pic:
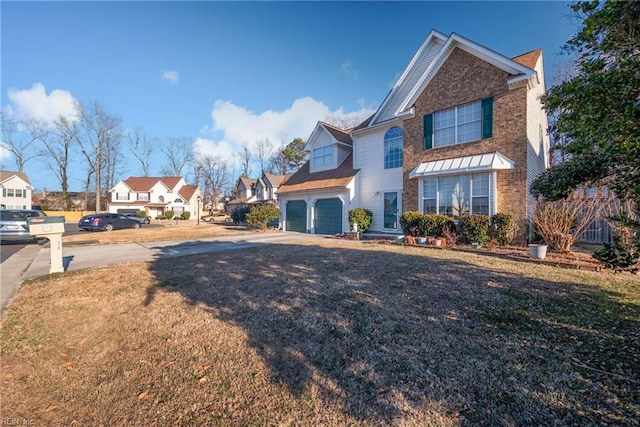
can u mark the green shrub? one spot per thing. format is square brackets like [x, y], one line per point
[141, 214]
[362, 217]
[260, 215]
[239, 215]
[437, 225]
[411, 223]
[504, 227]
[160, 216]
[186, 215]
[169, 214]
[474, 228]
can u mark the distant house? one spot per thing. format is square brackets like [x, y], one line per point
[155, 196]
[257, 190]
[16, 190]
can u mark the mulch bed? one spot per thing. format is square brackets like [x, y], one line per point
[572, 260]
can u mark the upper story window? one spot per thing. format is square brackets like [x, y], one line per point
[393, 148]
[14, 192]
[323, 156]
[457, 125]
[122, 196]
[143, 196]
[161, 199]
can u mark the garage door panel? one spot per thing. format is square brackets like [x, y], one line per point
[328, 216]
[296, 216]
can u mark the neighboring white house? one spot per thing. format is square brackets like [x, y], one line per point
[16, 190]
[155, 196]
[461, 132]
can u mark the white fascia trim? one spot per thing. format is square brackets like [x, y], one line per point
[433, 34]
[407, 114]
[374, 128]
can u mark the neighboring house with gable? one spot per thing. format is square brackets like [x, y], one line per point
[16, 190]
[155, 196]
[257, 190]
[461, 132]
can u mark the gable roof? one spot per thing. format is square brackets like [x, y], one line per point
[276, 180]
[304, 180]
[528, 59]
[146, 183]
[5, 175]
[248, 182]
[427, 61]
[341, 135]
[187, 192]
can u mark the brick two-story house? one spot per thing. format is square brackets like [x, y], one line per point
[461, 132]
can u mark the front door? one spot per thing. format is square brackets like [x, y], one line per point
[391, 210]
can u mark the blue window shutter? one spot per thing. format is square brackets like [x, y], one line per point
[4, 192]
[428, 131]
[24, 193]
[487, 117]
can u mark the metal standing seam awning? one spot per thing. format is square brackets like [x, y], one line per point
[469, 164]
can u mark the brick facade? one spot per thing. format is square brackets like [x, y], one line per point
[464, 78]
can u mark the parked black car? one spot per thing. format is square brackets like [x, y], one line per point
[13, 224]
[106, 222]
[140, 219]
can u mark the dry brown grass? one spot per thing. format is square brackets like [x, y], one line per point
[341, 333]
[168, 230]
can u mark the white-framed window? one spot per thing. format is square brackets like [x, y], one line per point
[457, 195]
[458, 125]
[10, 192]
[122, 196]
[323, 156]
[143, 196]
[393, 148]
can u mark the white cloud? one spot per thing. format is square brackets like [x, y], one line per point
[34, 103]
[171, 76]
[349, 70]
[234, 125]
[4, 153]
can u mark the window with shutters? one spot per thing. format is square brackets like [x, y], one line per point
[457, 125]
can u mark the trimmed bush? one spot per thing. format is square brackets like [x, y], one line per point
[411, 223]
[474, 228]
[239, 215]
[186, 215]
[160, 216]
[260, 215]
[437, 225]
[362, 217]
[169, 214]
[504, 227]
[141, 214]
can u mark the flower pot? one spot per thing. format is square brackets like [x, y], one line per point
[538, 251]
[437, 242]
[422, 240]
[476, 245]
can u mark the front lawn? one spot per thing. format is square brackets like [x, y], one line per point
[340, 333]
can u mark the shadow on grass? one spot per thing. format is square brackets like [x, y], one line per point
[400, 329]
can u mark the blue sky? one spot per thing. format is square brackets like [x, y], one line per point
[224, 73]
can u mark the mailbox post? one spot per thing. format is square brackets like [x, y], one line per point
[51, 227]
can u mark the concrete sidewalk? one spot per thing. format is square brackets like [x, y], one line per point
[34, 261]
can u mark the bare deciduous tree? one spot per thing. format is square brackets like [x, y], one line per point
[58, 144]
[142, 147]
[19, 138]
[244, 156]
[213, 176]
[264, 147]
[100, 135]
[178, 152]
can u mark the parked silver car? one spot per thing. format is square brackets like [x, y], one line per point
[14, 227]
